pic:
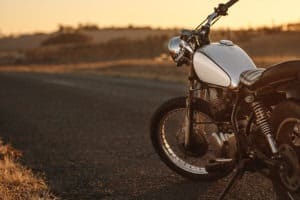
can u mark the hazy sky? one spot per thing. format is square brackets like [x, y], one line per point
[18, 16]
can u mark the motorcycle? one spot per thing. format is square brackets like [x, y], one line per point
[235, 118]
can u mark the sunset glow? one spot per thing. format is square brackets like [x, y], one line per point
[18, 16]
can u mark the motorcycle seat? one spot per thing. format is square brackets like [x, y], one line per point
[257, 78]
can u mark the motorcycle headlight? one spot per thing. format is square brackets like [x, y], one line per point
[174, 46]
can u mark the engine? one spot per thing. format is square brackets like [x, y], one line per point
[221, 103]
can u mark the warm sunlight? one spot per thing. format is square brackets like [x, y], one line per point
[18, 16]
[118, 99]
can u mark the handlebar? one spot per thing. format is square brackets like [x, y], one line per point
[221, 10]
[203, 29]
[230, 3]
[191, 40]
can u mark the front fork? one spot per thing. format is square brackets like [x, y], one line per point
[193, 91]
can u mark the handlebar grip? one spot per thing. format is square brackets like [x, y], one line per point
[222, 9]
[230, 3]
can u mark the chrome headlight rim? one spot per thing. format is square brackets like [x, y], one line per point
[174, 46]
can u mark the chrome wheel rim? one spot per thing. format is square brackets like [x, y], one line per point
[181, 160]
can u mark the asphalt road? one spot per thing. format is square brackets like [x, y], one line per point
[89, 136]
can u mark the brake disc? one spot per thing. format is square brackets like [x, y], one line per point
[289, 172]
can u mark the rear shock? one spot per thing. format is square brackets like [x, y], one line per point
[263, 123]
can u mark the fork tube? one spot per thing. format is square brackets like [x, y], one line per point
[189, 106]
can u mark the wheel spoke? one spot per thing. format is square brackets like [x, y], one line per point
[174, 148]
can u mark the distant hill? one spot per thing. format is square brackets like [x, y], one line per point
[92, 44]
[98, 36]
[24, 42]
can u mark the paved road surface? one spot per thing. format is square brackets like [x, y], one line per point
[89, 135]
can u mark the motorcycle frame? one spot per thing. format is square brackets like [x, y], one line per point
[196, 89]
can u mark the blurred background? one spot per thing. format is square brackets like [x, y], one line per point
[124, 38]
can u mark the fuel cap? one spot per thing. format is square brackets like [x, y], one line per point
[226, 42]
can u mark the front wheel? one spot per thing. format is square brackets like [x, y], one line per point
[167, 135]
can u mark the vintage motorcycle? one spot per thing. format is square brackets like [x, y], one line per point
[235, 118]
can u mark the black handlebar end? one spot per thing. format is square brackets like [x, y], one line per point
[221, 9]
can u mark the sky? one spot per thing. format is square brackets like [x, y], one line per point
[27, 16]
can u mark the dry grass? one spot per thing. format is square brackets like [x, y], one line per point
[135, 68]
[61, 68]
[279, 44]
[266, 61]
[16, 181]
[157, 69]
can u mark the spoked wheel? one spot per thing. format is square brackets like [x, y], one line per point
[286, 125]
[168, 128]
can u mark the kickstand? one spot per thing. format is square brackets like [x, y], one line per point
[290, 196]
[240, 170]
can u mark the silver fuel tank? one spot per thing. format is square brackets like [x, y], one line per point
[221, 64]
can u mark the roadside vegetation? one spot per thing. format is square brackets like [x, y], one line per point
[133, 51]
[18, 182]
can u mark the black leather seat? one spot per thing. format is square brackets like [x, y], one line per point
[257, 78]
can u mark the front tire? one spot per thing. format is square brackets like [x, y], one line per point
[166, 152]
